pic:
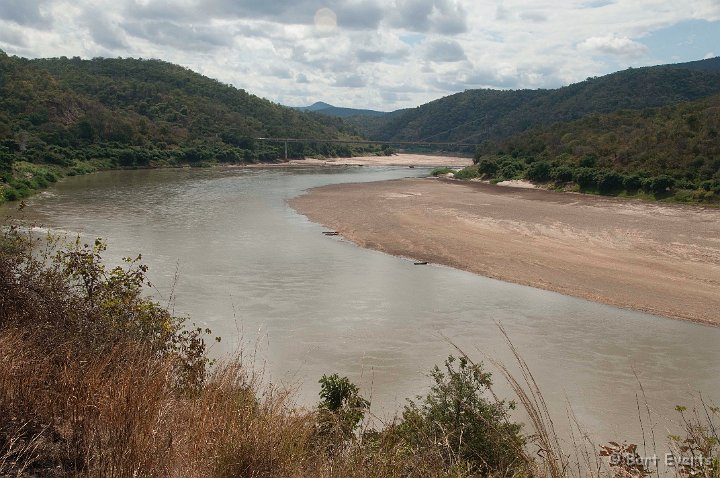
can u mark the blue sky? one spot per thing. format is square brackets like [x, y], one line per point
[380, 54]
[684, 41]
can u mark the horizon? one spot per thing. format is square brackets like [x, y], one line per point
[364, 54]
[363, 108]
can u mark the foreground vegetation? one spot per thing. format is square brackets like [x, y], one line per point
[97, 380]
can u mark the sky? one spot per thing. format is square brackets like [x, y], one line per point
[376, 54]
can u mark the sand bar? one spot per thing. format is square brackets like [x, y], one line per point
[662, 259]
[419, 160]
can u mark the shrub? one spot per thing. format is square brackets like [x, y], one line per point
[488, 166]
[562, 174]
[460, 416]
[588, 161]
[609, 181]
[95, 308]
[660, 184]
[510, 170]
[585, 177]
[441, 171]
[632, 182]
[10, 193]
[470, 172]
[341, 407]
[539, 171]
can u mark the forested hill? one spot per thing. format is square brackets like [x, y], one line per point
[479, 115]
[131, 112]
[671, 153]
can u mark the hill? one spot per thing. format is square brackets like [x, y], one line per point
[330, 110]
[73, 115]
[671, 152]
[478, 115]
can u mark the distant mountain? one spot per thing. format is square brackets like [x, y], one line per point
[330, 110]
[480, 115]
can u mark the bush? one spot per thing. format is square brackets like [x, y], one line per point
[92, 308]
[609, 181]
[588, 161]
[510, 170]
[341, 407]
[539, 171]
[10, 193]
[460, 417]
[562, 174]
[488, 166]
[470, 172]
[632, 182]
[659, 184]
[585, 177]
[441, 171]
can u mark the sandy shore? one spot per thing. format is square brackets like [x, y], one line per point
[419, 160]
[661, 259]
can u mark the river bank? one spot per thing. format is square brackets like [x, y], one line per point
[661, 259]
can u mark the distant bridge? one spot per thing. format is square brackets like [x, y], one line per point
[352, 141]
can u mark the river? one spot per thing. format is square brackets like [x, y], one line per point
[262, 276]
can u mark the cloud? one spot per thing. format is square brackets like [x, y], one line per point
[614, 45]
[444, 51]
[446, 17]
[25, 12]
[350, 81]
[533, 16]
[11, 35]
[381, 54]
[201, 37]
[353, 14]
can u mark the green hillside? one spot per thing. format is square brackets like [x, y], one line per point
[673, 151]
[70, 115]
[475, 116]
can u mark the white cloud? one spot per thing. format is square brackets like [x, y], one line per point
[613, 45]
[383, 54]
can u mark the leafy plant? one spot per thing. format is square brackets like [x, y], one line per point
[460, 418]
[341, 406]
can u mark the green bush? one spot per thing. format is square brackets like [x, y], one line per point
[510, 170]
[585, 177]
[562, 174]
[341, 407]
[471, 172]
[539, 171]
[609, 181]
[632, 182]
[488, 166]
[660, 184]
[461, 417]
[10, 193]
[441, 171]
